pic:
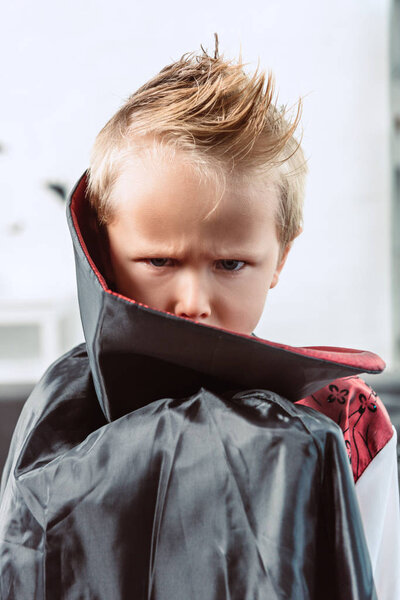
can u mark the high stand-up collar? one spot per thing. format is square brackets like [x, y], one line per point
[138, 354]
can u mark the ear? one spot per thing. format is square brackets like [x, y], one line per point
[280, 265]
[283, 258]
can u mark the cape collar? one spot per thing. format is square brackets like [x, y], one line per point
[138, 354]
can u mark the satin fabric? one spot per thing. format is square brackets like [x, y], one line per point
[149, 464]
[235, 496]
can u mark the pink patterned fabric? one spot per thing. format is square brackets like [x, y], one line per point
[360, 413]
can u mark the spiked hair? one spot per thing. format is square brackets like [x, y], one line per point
[223, 121]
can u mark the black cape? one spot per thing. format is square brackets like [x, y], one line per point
[166, 460]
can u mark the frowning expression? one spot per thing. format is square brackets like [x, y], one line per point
[168, 251]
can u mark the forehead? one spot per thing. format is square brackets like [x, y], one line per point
[161, 195]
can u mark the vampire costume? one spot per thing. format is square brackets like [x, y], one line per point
[168, 460]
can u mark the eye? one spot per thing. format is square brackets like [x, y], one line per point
[231, 265]
[159, 262]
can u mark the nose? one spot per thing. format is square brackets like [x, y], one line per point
[192, 297]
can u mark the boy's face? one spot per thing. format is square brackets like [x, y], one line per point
[165, 254]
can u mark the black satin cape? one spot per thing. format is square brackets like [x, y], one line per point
[166, 460]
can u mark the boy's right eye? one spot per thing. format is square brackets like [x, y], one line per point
[159, 262]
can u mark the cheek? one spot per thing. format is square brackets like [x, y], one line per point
[241, 305]
[121, 273]
[133, 282]
[127, 282]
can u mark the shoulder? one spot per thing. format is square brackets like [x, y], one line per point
[60, 377]
[68, 375]
[76, 358]
[361, 415]
[63, 400]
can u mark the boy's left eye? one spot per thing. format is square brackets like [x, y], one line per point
[231, 265]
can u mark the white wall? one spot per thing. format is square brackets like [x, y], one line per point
[66, 68]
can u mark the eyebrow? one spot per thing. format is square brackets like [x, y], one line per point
[160, 251]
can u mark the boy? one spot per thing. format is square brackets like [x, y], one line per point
[196, 188]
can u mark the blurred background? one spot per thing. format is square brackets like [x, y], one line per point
[67, 67]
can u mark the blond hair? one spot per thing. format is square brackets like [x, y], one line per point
[225, 122]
